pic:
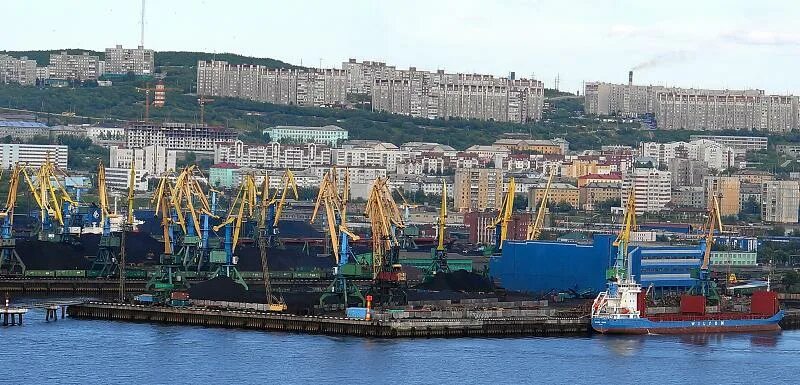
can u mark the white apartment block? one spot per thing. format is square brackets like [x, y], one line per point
[780, 201]
[433, 95]
[652, 188]
[301, 87]
[117, 179]
[694, 109]
[738, 143]
[368, 153]
[419, 148]
[21, 71]
[156, 160]
[123, 60]
[273, 155]
[177, 136]
[361, 76]
[32, 155]
[98, 133]
[329, 135]
[77, 67]
[716, 155]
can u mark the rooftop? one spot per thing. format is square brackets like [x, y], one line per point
[225, 165]
[602, 176]
[21, 124]
[329, 127]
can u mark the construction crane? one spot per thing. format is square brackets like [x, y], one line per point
[340, 236]
[535, 227]
[385, 220]
[500, 223]
[105, 262]
[146, 91]
[439, 263]
[621, 268]
[10, 262]
[202, 100]
[273, 303]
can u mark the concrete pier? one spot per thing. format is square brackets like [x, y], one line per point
[12, 315]
[455, 327]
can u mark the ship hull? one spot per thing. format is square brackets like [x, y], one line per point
[697, 325]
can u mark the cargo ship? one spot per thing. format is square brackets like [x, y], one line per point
[622, 307]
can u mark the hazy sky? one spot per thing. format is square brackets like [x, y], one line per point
[696, 43]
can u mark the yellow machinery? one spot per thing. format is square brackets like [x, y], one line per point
[439, 263]
[336, 216]
[168, 276]
[271, 214]
[10, 262]
[53, 200]
[243, 207]
[706, 286]
[621, 269]
[190, 203]
[504, 216]
[274, 303]
[385, 220]
[105, 262]
[535, 227]
[126, 227]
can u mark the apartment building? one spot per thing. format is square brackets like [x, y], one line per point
[21, 71]
[559, 193]
[329, 135]
[368, 153]
[33, 155]
[273, 155]
[362, 75]
[780, 201]
[652, 188]
[555, 146]
[178, 136]
[300, 87]
[689, 196]
[23, 130]
[717, 156]
[74, 67]
[477, 189]
[620, 99]
[156, 160]
[121, 61]
[590, 195]
[726, 188]
[687, 172]
[738, 143]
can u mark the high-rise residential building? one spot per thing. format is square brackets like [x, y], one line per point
[717, 156]
[74, 67]
[21, 71]
[780, 201]
[361, 75]
[689, 196]
[32, 155]
[273, 155]
[301, 87]
[694, 109]
[124, 60]
[156, 160]
[559, 193]
[477, 189]
[329, 135]
[368, 153]
[652, 188]
[738, 143]
[119, 179]
[687, 172]
[726, 188]
[177, 136]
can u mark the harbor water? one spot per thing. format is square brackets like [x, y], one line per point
[104, 352]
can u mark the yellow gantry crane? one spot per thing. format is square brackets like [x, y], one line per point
[241, 209]
[50, 195]
[535, 227]
[385, 219]
[706, 286]
[10, 262]
[105, 262]
[504, 215]
[439, 263]
[621, 264]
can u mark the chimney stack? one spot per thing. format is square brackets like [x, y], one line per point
[630, 77]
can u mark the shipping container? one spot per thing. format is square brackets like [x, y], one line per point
[693, 304]
[40, 273]
[357, 312]
[163, 286]
[179, 295]
[144, 298]
[135, 273]
[764, 303]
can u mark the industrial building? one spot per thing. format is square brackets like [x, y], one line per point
[329, 135]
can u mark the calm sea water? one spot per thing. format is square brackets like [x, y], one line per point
[104, 352]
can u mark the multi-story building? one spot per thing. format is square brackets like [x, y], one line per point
[733, 258]
[791, 150]
[754, 176]
[620, 99]
[716, 155]
[435, 95]
[614, 179]
[368, 153]
[477, 189]
[652, 188]
[301, 87]
[780, 201]
[178, 136]
[21, 71]
[361, 76]
[329, 135]
[119, 179]
[124, 60]
[687, 172]
[482, 231]
[726, 188]
[74, 67]
[559, 193]
[273, 155]
[418, 148]
[23, 130]
[156, 160]
[689, 196]
[555, 146]
[739, 143]
[32, 155]
[750, 195]
[223, 175]
[594, 193]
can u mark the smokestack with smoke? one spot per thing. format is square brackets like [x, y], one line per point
[630, 77]
[665, 58]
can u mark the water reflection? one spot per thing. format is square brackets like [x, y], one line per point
[624, 346]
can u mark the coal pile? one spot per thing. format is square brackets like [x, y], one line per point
[427, 295]
[460, 280]
[44, 255]
[280, 259]
[219, 289]
[293, 229]
[140, 246]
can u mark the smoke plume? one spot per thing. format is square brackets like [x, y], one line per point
[665, 58]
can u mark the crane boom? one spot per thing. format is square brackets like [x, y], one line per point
[535, 228]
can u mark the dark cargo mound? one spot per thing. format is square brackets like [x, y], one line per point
[298, 229]
[427, 295]
[44, 255]
[219, 289]
[460, 280]
[140, 246]
[291, 258]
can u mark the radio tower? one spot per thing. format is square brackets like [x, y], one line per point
[141, 39]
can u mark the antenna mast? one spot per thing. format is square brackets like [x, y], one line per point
[141, 41]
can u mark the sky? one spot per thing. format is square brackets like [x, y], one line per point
[701, 43]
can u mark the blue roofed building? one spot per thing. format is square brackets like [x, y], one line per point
[22, 129]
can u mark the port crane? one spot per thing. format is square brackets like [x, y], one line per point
[335, 208]
[105, 262]
[535, 227]
[10, 262]
[439, 263]
[274, 205]
[52, 199]
[705, 286]
[192, 206]
[242, 207]
[622, 266]
[126, 227]
[500, 223]
[407, 242]
[273, 303]
[385, 221]
[168, 276]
